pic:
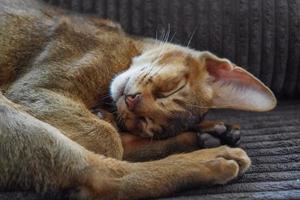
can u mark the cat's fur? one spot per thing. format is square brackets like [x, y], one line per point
[54, 68]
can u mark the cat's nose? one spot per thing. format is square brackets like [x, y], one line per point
[132, 100]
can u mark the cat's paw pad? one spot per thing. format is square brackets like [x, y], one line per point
[206, 140]
[231, 136]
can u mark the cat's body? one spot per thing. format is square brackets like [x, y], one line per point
[56, 67]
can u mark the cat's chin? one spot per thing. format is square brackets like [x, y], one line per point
[171, 129]
[130, 123]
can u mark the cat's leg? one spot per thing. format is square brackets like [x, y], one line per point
[34, 154]
[45, 159]
[163, 177]
[37, 156]
[72, 118]
[210, 134]
[92, 131]
[144, 149]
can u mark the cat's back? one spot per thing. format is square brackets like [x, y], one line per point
[31, 32]
[70, 50]
[23, 32]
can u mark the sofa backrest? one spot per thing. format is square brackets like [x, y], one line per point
[262, 36]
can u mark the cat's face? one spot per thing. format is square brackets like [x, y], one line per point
[168, 90]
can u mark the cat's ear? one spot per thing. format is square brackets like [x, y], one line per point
[234, 87]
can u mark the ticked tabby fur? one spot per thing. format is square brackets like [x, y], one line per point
[55, 67]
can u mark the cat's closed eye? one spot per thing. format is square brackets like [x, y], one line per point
[171, 89]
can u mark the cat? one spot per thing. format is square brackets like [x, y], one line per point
[55, 67]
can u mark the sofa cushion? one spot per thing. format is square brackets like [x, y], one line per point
[271, 139]
[262, 36]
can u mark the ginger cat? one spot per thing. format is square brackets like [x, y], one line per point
[55, 67]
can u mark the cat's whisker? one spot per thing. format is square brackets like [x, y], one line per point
[191, 37]
[164, 46]
[151, 68]
[168, 33]
[164, 42]
[160, 54]
[173, 36]
[163, 37]
[161, 45]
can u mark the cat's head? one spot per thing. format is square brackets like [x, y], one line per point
[168, 90]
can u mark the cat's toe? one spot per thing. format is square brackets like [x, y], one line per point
[228, 134]
[231, 136]
[206, 140]
[240, 156]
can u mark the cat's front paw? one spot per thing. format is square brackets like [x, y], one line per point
[230, 164]
[223, 163]
[236, 154]
[219, 134]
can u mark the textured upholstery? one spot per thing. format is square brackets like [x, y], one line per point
[271, 139]
[260, 35]
[264, 36]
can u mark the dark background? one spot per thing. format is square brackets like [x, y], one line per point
[262, 36]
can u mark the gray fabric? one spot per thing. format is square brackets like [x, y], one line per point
[271, 139]
[261, 35]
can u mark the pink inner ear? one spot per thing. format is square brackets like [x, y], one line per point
[236, 88]
[226, 72]
[216, 68]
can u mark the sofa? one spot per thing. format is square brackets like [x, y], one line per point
[262, 36]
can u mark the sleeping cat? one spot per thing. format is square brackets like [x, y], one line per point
[55, 67]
